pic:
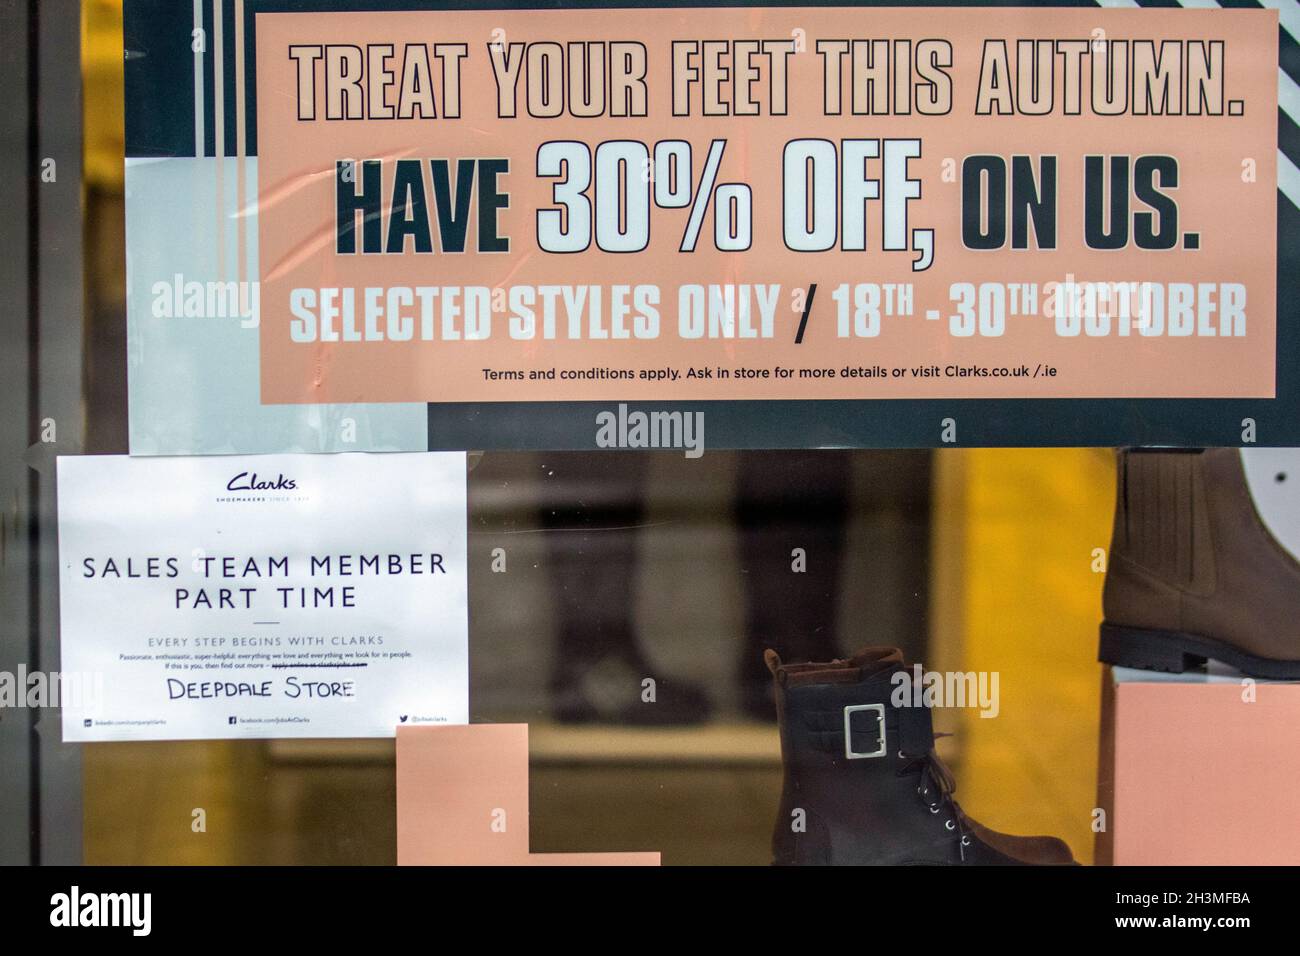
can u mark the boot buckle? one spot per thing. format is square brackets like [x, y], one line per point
[881, 748]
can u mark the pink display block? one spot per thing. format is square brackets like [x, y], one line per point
[1198, 770]
[462, 800]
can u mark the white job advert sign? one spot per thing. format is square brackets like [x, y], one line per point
[264, 596]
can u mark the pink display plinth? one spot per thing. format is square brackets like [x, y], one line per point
[1195, 772]
[462, 800]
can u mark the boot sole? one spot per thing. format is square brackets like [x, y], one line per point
[1176, 652]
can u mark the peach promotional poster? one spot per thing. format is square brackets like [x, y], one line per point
[764, 204]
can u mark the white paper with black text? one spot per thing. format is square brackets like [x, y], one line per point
[263, 596]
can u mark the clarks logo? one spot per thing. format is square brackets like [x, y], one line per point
[250, 481]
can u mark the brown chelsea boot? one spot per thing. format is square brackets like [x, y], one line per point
[1194, 573]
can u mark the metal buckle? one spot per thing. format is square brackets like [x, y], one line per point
[849, 752]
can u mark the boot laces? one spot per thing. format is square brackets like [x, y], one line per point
[936, 786]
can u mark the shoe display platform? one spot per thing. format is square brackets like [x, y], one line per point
[1198, 769]
[462, 800]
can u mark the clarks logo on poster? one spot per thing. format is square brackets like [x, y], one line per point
[249, 481]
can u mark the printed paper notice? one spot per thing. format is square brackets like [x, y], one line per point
[263, 596]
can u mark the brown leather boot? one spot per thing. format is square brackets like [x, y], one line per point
[862, 782]
[1193, 571]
